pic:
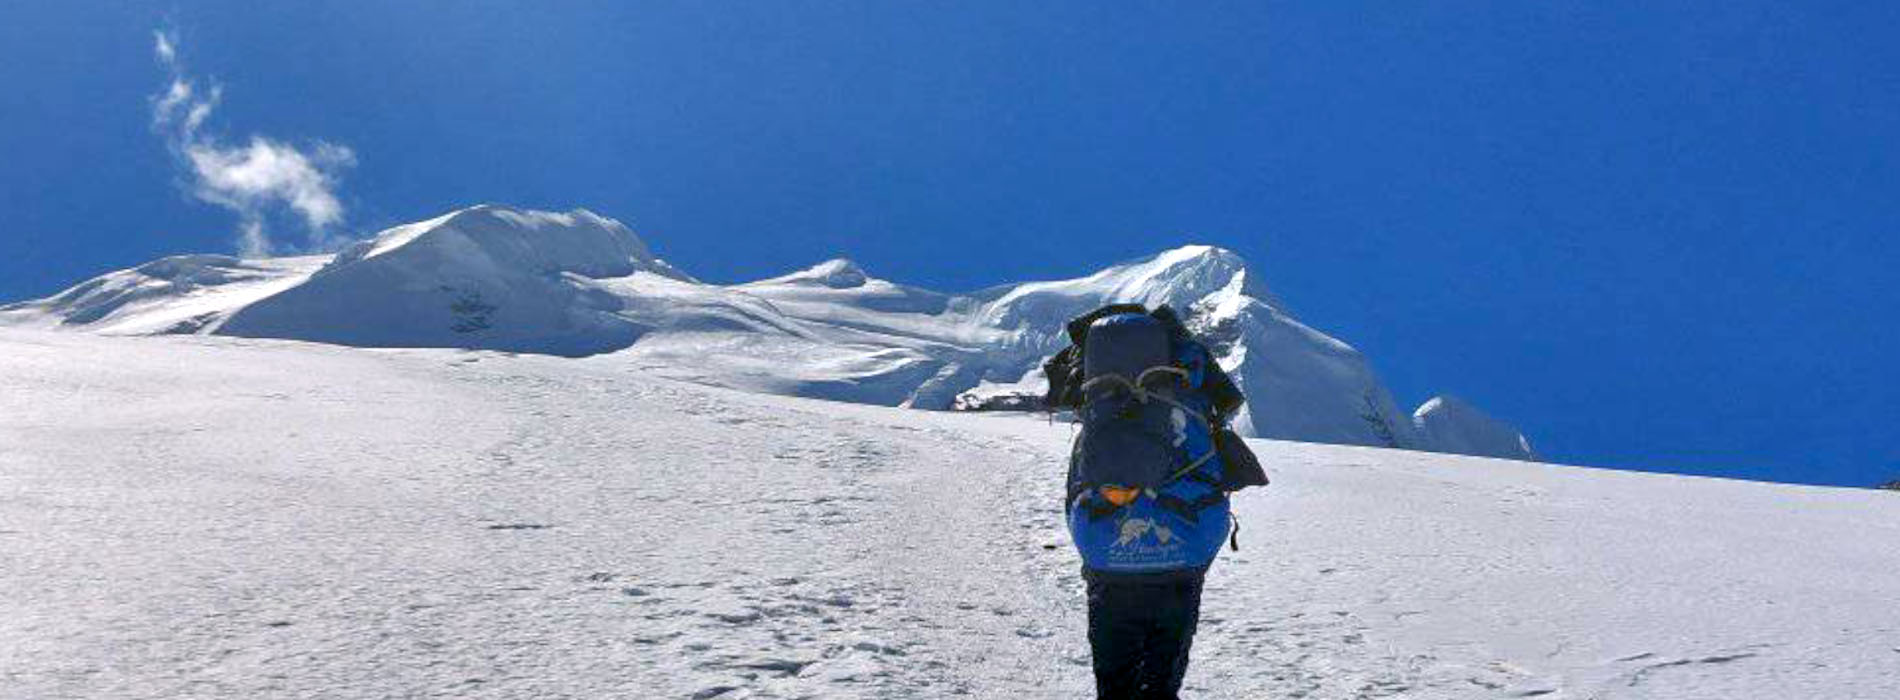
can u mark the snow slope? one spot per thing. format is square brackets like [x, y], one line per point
[577, 284]
[177, 294]
[199, 516]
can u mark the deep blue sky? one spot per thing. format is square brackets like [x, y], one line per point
[1654, 235]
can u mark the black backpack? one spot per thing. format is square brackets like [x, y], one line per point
[1240, 468]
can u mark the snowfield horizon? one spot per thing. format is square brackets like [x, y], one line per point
[578, 284]
[227, 517]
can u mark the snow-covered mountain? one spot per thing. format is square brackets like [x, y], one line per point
[578, 284]
[1450, 424]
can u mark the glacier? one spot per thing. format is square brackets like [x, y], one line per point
[209, 516]
[578, 284]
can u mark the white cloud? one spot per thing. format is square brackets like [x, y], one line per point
[167, 51]
[252, 179]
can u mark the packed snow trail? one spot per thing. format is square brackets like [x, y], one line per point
[232, 523]
[212, 517]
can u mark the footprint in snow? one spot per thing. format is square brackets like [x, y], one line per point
[735, 616]
[788, 667]
[876, 648]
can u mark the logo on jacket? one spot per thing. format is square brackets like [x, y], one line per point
[1134, 528]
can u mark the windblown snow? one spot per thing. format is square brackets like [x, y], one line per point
[578, 284]
[224, 517]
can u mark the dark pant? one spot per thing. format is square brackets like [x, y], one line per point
[1140, 628]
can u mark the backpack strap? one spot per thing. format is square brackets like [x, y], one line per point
[1190, 510]
[1062, 370]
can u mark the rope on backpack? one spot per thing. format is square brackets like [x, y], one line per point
[1138, 386]
[1142, 394]
[1138, 389]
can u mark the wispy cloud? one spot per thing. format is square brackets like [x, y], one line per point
[255, 178]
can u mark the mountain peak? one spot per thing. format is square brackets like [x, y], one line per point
[1214, 266]
[496, 236]
[1201, 250]
[836, 273]
[531, 218]
[1454, 425]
